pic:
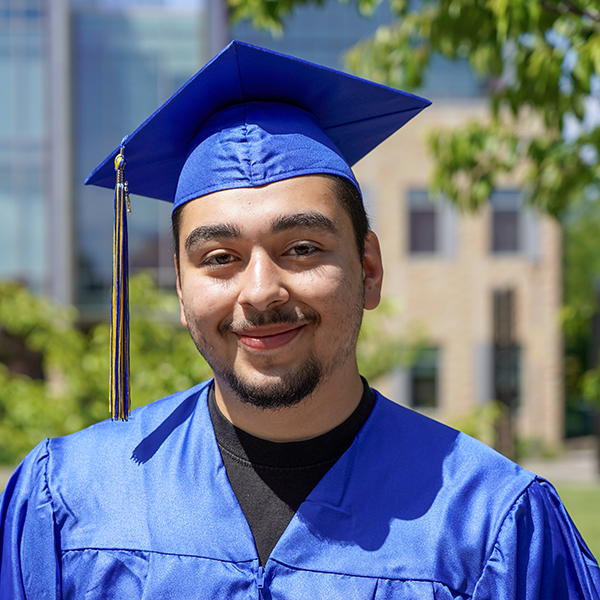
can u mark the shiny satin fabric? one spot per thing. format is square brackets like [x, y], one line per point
[413, 510]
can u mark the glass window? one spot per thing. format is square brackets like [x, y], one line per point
[424, 379]
[133, 60]
[505, 231]
[422, 223]
[507, 353]
[22, 142]
[432, 225]
[422, 230]
[506, 221]
[507, 374]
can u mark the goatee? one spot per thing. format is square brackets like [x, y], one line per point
[286, 389]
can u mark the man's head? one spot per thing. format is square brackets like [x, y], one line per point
[272, 286]
[249, 120]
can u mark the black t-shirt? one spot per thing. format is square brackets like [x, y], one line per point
[272, 479]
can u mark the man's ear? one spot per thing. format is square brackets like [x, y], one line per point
[372, 271]
[180, 293]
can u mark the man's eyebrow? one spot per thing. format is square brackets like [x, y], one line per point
[207, 233]
[308, 220]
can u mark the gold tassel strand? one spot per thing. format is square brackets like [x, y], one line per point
[119, 402]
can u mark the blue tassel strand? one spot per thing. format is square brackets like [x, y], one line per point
[119, 402]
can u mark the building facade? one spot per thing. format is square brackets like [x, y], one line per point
[128, 58]
[486, 287]
[24, 137]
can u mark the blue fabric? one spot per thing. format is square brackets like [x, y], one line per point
[250, 107]
[254, 144]
[412, 510]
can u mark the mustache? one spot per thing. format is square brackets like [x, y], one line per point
[275, 316]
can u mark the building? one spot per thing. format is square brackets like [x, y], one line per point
[67, 68]
[486, 287]
[128, 58]
[34, 151]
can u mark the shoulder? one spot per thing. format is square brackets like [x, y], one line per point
[109, 435]
[446, 488]
[430, 503]
[457, 456]
[109, 451]
[106, 441]
[539, 549]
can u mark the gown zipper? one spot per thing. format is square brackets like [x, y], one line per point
[260, 580]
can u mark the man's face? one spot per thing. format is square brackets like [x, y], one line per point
[272, 288]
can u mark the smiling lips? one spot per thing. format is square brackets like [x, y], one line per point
[268, 338]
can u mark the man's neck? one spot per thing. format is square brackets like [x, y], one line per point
[332, 402]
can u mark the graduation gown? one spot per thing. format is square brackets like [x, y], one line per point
[412, 510]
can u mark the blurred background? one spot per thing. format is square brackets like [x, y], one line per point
[487, 206]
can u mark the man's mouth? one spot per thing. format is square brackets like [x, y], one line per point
[269, 338]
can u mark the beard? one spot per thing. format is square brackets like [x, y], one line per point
[289, 389]
[284, 387]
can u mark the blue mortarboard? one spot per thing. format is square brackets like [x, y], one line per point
[250, 117]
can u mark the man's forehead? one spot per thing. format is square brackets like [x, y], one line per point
[308, 201]
[278, 198]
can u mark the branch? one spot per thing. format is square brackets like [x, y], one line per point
[567, 7]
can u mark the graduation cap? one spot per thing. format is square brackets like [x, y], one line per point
[248, 118]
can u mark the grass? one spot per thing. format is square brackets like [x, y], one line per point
[583, 503]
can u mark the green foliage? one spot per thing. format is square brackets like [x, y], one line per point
[383, 345]
[582, 260]
[581, 281]
[29, 408]
[270, 14]
[74, 391]
[475, 155]
[539, 58]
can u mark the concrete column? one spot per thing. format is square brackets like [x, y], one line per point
[59, 173]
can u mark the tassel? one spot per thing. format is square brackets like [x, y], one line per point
[119, 319]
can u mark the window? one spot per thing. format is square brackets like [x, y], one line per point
[422, 230]
[507, 353]
[422, 223]
[432, 226]
[506, 222]
[424, 379]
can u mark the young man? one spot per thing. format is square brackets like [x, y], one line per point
[285, 477]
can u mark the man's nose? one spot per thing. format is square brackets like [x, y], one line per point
[262, 284]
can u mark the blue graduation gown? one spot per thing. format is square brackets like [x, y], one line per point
[413, 510]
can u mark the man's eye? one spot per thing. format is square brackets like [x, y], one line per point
[219, 259]
[302, 250]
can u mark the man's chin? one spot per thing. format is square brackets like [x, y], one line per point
[274, 391]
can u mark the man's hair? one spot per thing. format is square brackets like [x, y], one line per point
[345, 192]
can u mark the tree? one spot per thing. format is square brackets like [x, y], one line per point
[541, 60]
[73, 390]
